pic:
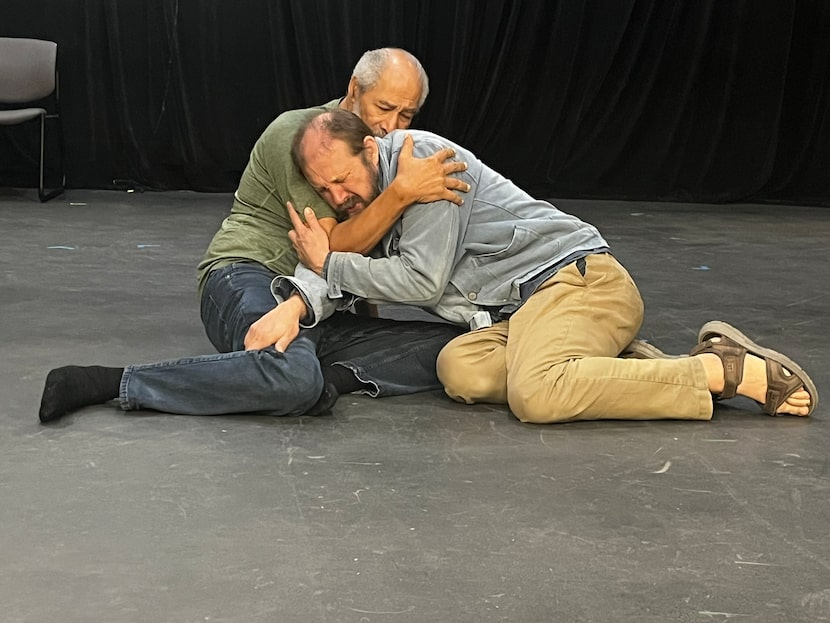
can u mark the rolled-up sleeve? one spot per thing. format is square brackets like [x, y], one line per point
[314, 292]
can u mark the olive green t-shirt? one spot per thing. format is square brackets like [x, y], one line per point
[258, 225]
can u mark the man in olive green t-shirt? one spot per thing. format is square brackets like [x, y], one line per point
[387, 88]
[253, 372]
[258, 225]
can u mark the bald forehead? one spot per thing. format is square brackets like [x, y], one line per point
[399, 86]
[400, 68]
[316, 144]
[401, 60]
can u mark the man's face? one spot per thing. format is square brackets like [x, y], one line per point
[391, 104]
[348, 183]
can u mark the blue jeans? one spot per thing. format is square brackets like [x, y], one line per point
[389, 357]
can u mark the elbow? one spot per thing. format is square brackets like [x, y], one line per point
[427, 292]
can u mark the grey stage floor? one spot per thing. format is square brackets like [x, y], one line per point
[404, 509]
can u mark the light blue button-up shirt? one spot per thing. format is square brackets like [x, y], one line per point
[459, 262]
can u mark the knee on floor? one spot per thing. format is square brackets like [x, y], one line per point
[536, 407]
[469, 391]
[295, 384]
[470, 385]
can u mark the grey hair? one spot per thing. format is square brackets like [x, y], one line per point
[372, 63]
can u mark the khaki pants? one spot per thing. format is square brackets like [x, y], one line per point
[555, 359]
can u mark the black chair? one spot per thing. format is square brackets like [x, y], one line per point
[29, 73]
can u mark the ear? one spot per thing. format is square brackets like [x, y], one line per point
[353, 88]
[371, 145]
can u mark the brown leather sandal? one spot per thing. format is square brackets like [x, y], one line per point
[732, 348]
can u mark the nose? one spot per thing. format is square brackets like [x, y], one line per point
[338, 194]
[390, 122]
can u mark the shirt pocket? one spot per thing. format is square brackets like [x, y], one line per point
[526, 251]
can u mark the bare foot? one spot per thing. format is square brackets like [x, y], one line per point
[754, 383]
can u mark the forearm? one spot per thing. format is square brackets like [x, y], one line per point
[384, 279]
[360, 233]
[417, 180]
[416, 274]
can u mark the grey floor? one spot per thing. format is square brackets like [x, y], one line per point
[413, 508]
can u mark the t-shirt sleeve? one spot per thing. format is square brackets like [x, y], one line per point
[276, 158]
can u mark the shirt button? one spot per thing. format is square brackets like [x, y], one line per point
[472, 296]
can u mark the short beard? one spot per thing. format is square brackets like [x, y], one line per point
[374, 191]
[374, 177]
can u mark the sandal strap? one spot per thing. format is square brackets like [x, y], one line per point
[732, 357]
[780, 386]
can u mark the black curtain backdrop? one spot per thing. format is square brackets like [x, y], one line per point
[698, 100]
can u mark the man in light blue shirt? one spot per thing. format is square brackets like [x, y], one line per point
[548, 307]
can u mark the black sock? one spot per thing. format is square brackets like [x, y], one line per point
[72, 387]
[342, 378]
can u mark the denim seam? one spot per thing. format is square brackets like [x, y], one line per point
[122, 389]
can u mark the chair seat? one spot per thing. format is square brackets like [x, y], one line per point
[13, 117]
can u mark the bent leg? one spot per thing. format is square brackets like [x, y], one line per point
[235, 297]
[562, 347]
[389, 357]
[239, 382]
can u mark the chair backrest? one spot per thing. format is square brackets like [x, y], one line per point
[27, 69]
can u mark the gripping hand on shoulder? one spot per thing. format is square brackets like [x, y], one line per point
[423, 180]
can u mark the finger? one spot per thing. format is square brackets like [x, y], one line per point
[454, 198]
[250, 342]
[296, 221]
[406, 148]
[284, 342]
[453, 183]
[456, 166]
[447, 152]
[311, 220]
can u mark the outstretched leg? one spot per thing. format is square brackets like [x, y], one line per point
[245, 381]
[254, 381]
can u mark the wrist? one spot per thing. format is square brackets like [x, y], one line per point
[296, 305]
[397, 192]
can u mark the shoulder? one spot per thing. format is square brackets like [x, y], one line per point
[292, 119]
[425, 144]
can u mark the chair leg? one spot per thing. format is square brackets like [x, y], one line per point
[61, 150]
[42, 194]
